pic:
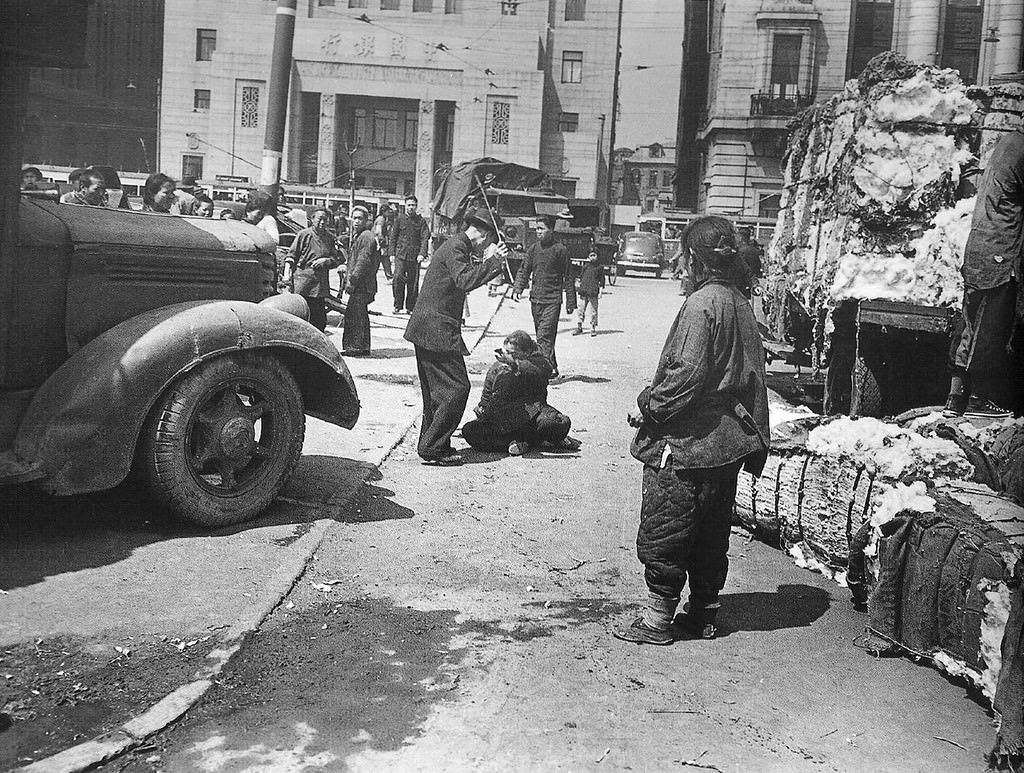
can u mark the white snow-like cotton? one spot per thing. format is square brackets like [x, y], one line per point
[929, 96]
[894, 500]
[893, 168]
[804, 559]
[889, 450]
[993, 627]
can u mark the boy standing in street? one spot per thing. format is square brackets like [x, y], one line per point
[590, 283]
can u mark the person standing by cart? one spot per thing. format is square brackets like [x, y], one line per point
[410, 239]
[704, 416]
[308, 266]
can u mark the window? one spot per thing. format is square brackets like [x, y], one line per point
[386, 184]
[666, 179]
[201, 99]
[385, 127]
[655, 151]
[785, 74]
[961, 37]
[325, 2]
[509, 7]
[652, 179]
[575, 10]
[390, 5]
[447, 133]
[568, 122]
[206, 44]
[769, 203]
[872, 32]
[500, 113]
[565, 188]
[250, 107]
[422, 6]
[192, 166]
[453, 6]
[412, 123]
[572, 67]
[357, 3]
[358, 125]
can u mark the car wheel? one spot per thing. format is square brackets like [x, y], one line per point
[223, 439]
[657, 274]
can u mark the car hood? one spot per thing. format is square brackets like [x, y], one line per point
[100, 225]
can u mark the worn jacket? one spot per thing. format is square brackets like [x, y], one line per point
[996, 242]
[708, 401]
[436, 319]
[501, 404]
[361, 277]
[410, 236]
[591, 279]
[308, 247]
[552, 275]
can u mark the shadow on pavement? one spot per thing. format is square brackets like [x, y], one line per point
[43, 536]
[791, 606]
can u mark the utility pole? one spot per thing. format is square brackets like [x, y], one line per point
[277, 100]
[615, 104]
[350, 151]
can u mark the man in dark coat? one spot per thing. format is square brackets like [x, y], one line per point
[704, 417]
[435, 329]
[361, 285]
[548, 263]
[988, 356]
[410, 237]
[513, 412]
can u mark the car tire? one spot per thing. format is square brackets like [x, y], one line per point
[222, 440]
[657, 274]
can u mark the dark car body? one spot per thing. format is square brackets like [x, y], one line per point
[112, 308]
[640, 251]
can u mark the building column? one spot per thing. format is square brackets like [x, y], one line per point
[425, 154]
[923, 31]
[325, 141]
[1010, 23]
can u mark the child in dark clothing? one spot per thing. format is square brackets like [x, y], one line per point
[588, 287]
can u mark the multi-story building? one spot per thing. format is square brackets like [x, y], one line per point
[105, 113]
[391, 91]
[642, 176]
[750, 65]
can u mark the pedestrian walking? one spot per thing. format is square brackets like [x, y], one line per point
[360, 284]
[308, 266]
[513, 412]
[987, 358]
[547, 262]
[435, 330]
[410, 239]
[382, 235]
[704, 416]
[588, 287]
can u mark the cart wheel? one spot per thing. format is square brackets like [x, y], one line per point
[865, 392]
[612, 275]
[223, 439]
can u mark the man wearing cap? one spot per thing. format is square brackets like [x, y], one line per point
[435, 329]
[548, 263]
[360, 284]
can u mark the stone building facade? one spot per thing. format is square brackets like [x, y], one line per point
[749, 66]
[391, 91]
[642, 176]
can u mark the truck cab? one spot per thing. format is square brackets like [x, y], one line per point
[155, 343]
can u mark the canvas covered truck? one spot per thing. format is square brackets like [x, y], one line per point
[863, 267]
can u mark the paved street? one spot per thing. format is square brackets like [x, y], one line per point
[457, 619]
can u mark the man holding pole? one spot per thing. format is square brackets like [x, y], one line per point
[435, 329]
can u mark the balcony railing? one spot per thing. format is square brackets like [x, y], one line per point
[767, 104]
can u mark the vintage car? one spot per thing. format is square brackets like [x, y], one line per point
[640, 251]
[154, 343]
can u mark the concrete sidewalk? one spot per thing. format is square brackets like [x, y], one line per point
[132, 579]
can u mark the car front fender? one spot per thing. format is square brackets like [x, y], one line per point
[81, 427]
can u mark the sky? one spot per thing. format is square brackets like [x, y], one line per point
[652, 36]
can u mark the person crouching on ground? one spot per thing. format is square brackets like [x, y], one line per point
[704, 416]
[308, 266]
[588, 287]
[360, 284]
[513, 412]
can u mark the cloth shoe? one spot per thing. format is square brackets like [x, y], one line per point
[956, 404]
[641, 633]
[518, 448]
[578, 331]
[593, 332]
[448, 460]
[699, 624]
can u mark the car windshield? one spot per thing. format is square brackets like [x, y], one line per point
[641, 242]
